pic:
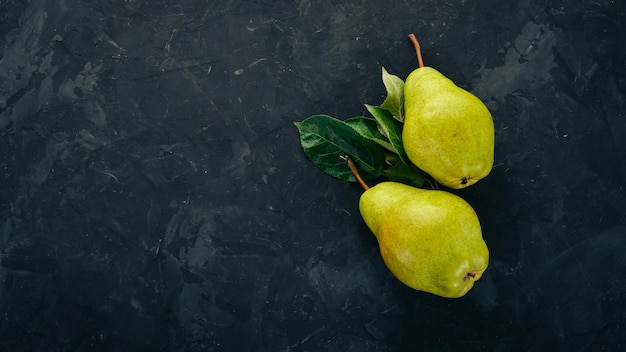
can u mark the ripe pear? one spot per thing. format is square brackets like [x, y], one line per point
[430, 240]
[448, 132]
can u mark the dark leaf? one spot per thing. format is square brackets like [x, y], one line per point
[325, 139]
[391, 128]
[368, 128]
[407, 174]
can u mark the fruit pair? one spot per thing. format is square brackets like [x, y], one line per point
[431, 240]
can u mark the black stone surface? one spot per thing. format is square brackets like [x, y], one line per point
[154, 196]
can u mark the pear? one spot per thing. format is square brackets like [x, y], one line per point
[430, 240]
[448, 132]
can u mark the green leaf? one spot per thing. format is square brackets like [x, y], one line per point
[326, 139]
[368, 128]
[391, 128]
[407, 174]
[394, 103]
[392, 158]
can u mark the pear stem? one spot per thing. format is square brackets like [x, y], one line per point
[418, 49]
[355, 172]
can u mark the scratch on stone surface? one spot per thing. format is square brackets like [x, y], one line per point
[107, 39]
[168, 44]
[240, 71]
[109, 174]
[257, 62]
[304, 340]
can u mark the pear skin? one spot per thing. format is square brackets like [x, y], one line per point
[430, 240]
[448, 132]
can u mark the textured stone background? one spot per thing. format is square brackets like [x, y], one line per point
[154, 197]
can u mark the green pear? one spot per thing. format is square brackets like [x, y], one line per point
[430, 240]
[448, 132]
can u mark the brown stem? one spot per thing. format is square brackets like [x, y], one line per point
[355, 172]
[418, 49]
